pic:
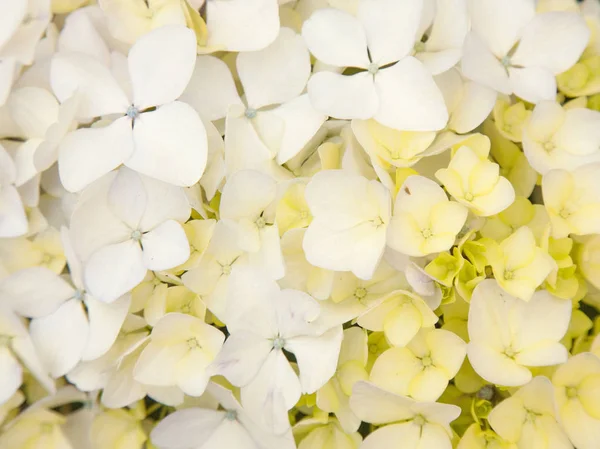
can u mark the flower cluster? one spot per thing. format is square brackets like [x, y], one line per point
[311, 224]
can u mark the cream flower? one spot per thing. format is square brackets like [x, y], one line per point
[475, 181]
[507, 334]
[424, 220]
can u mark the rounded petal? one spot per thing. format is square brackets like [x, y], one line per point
[114, 270]
[378, 406]
[105, 323]
[157, 364]
[242, 357]
[186, 428]
[98, 91]
[387, 437]
[34, 110]
[12, 375]
[475, 106]
[344, 97]
[495, 367]
[211, 89]
[89, 153]
[394, 369]
[409, 99]
[276, 74]
[390, 27]
[161, 65]
[170, 145]
[533, 84]
[553, 40]
[166, 246]
[242, 25]
[336, 38]
[481, 66]
[402, 324]
[11, 16]
[13, 221]
[500, 23]
[60, 346]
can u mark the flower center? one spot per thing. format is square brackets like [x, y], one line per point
[419, 47]
[510, 352]
[132, 112]
[136, 235]
[426, 233]
[278, 343]
[469, 196]
[373, 68]
[250, 113]
[571, 392]
[505, 61]
[377, 222]
[79, 295]
[360, 293]
[226, 270]
[508, 275]
[231, 415]
[193, 343]
[426, 361]
[549, 146]
[419, 420]
[564, 214]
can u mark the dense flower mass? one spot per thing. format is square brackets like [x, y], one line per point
[299, 224]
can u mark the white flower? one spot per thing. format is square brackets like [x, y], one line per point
[555, 137]
[263, 321]
[93, 325]
[124, 225]
[248, 209]
[180, 351]
[168, 143]
[13, 221]
[203, 428]
[511, 49]
[351, 216]
[415, 424]
[508, 334]
[395, 88]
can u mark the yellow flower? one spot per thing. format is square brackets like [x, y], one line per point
[519, 265]
[117, 429]
[292, 210]
[510, 118]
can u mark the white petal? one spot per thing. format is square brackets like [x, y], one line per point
[12, 375]
[33, 110]
[273, 391]
[166, 246]
[344, 97]
[553, 41]
[391, 28]
[496, 367]
[580, 132]
[533, 84]
[61, 337]
[269, 257]
[35, 292]
[170, 145]
[232, 434]
[242, 357]
[500, 23]
[302, 121]
[246, 195]
[157, 364]
[80, 35]
[379, 406]
[105, 323]
[475, 106]
[480, 65]
[99, 92]
[242, 25]
[114, 270]
[127, 197]
[336, 38]
[11, 15]
[211, 89]
[7, 75]
[316, 357]
[161, 65]
[408, 433]
[186, 428]
[409, 99]
[450, 26]
[276, 74]
[89, 153]
[165, 202]
[26, 353]
[13, 221]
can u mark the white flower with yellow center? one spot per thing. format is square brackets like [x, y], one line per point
[180, 351]
[576, 385]
[572, 200]
[559, 138]
[415, 424]
[424, 220]
[423, 368]
[350, 220]
[507, 335]
[528, 418]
